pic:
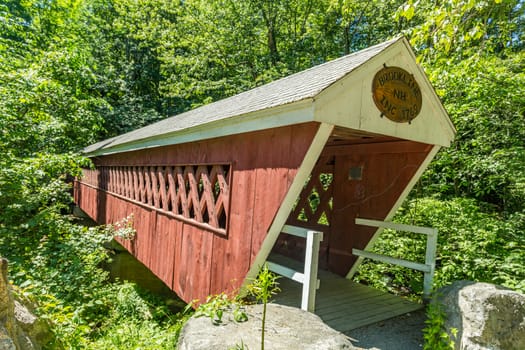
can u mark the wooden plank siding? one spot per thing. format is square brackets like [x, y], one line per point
[195, 264]
[192, 260]
[163, 242]
[387, 168]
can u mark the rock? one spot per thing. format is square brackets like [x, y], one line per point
[34, 330]
[25, 319]
[486, 316]
[6, 343]
[286, 328]
[20, 329]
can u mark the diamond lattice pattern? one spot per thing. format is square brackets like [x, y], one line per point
[196, 192]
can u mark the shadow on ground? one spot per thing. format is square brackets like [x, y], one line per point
[398, 333]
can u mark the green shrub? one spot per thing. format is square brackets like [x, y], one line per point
[216, 305]
[474, 243]
[136, 319]
[435, 335]
[144, 335]
[62, 274]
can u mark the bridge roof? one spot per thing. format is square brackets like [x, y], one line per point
[286, 101]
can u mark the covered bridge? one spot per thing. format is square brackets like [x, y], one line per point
[212, 190]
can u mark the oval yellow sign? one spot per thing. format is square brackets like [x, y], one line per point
[396, 94]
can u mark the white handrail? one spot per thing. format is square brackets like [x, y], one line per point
[428, 267]
[395, 226]
[308, 278]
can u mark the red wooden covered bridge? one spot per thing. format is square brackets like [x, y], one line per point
[214, 190]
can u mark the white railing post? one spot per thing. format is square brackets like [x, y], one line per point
[308, 278]
[430, 260]
[311, 263]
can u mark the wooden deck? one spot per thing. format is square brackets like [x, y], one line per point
[342, 304]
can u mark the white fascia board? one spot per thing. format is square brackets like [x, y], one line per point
[294, 113]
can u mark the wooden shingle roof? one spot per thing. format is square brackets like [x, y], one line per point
[305, 85]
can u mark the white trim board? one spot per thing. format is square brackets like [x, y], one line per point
[296, 113]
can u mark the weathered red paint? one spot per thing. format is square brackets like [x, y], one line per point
[196, 261]
[386, 174]
[387, 168]
[193, 261]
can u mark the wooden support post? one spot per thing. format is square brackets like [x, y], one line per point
[311, 263]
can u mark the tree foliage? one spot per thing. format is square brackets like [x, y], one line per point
[473, 244]
[458, 29]
[473, 52]
[486, 99]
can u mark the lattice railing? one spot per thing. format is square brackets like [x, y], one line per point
[196, 192]
[314, 205]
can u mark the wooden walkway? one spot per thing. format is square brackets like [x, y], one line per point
[342, 304]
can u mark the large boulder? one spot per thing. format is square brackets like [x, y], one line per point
[286, 328]
[20, 329]
[485, 316]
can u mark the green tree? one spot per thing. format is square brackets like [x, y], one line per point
[125, 41]
[473, 53]
[47, 112]
[485, 98]
[459, 29]
[365, 23]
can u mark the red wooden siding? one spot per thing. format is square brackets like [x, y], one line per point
[197, 258]
[387, 168]
[163, 240]
[386, 171]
